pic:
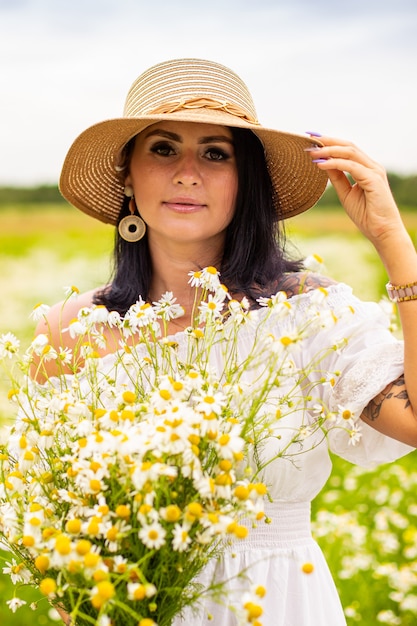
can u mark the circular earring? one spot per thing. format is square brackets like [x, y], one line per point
[132, 227]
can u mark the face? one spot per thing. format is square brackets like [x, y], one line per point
[184, 179]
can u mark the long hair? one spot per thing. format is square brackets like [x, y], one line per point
[254, 256]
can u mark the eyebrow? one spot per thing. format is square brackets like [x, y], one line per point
[175, 137]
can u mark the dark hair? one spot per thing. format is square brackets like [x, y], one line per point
[254, 256]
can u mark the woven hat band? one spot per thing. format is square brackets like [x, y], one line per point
[187, 81]
[204, 103]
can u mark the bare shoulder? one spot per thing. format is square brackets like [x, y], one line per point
[61, 314]
[52, 325]
[302, 282]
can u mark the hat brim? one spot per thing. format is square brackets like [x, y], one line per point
[90, 182]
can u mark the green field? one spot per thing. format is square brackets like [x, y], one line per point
[366, 522]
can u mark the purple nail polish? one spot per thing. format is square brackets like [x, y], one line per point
[313, 134]
[319, 160]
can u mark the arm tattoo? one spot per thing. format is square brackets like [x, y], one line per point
[372, 411]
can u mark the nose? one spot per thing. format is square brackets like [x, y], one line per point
[187, 172]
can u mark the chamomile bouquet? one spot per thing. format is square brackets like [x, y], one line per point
[125, 475]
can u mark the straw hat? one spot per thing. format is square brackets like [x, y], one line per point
[187, 90]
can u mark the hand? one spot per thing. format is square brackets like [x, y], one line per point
[63, 615]
[368, 200]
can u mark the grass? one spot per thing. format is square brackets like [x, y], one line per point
[41, 252]
[371, 545]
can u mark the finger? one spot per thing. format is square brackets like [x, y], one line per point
[341, 183]
[366, 176]
[327, 140]
[329, 147]
[349, 154]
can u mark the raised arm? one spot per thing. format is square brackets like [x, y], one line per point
[369, 203]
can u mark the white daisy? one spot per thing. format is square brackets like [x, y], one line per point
[15, 603]
[114, 319]
[152, 535]
[212, 402]
[71, 291]
[229, 444]
[39, 312]
[17, 572]
[65, 356]
[76, 328]
[314, 263]
[167, 307]
[210, 309]
[9, 345]
[181, 539]
[99, 314]
[355, 435]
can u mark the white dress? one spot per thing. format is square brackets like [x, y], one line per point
[273, 554]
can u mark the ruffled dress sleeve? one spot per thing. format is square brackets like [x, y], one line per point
[370, 360]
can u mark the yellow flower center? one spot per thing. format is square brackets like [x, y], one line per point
[129, 397]
[83, 547]
[47, 586]
[123, 511]
[63, 545]
[242, 492]
[139, 593]
[42, 563]
[153, 534]
[307, 568]
[173, 513]
[254, 611]
[165, 394]
[91, 559]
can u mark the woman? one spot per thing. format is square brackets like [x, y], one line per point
[192, 180]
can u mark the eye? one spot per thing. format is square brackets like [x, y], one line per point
[163, 148]
[216, 154]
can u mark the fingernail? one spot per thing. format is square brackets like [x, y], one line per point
[319, 160]
[312, 133]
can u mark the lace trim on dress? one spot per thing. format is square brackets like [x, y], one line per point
[369, 376]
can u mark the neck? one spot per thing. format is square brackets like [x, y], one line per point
[171, 266]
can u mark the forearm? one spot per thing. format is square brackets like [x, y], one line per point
[399, 257]
[394, 410]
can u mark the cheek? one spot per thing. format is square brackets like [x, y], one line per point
[145, 181]
[230, 187]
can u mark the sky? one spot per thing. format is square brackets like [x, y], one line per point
[346, 69]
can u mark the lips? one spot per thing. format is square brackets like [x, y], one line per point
[184, 205]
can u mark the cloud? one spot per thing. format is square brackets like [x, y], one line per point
[343, 69]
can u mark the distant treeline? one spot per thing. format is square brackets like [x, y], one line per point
[43, 194]
[404, 189]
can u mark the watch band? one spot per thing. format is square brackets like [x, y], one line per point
[402, 293]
